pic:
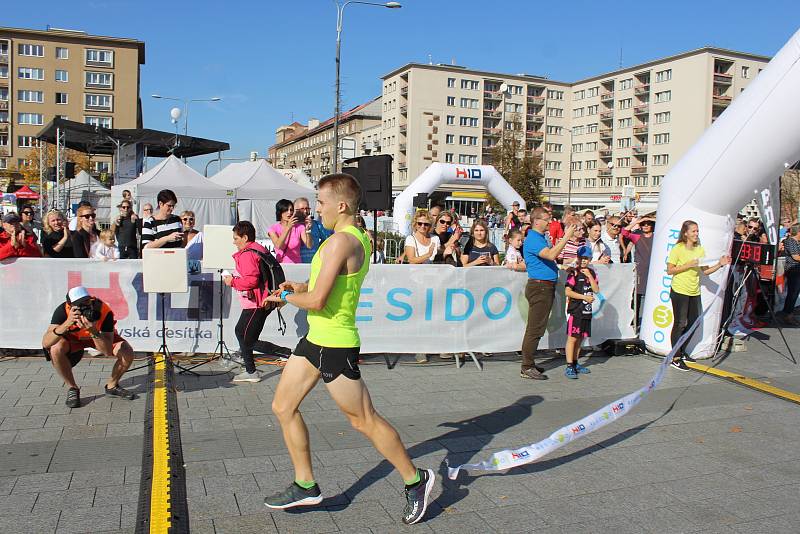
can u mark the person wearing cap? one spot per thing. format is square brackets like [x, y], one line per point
[580, 290]
[15, 241]
[540, 259]
[85, 322]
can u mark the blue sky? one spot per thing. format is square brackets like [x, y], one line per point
[273, 61]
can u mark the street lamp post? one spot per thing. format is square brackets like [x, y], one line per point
[569, 186]
[339, 19]
[186, 102]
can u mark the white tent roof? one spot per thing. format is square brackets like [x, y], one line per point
[298, 176]
[82, 181]
[257, 180]
[173, 174]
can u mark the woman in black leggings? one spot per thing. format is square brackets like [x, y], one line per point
[683, 265]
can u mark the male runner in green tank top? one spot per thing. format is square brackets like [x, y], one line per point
[330, 350]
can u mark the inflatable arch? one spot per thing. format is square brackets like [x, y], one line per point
[440, 173]
[745, 149]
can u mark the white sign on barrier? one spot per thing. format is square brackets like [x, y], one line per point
[403, 308]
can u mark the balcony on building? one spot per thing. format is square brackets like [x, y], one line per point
[604, 173]
[639, 170]
[607, 115]
[402, 147]
[404, 91]
[536, 118]
[608, 95]
[491, 132]
[493, 113]
[534, 134]
[606, 133]
[536, 100]
[640, 149]
[640, 130]
[723, 79]
[641, 110]
[534, 153]
[3, 105]
[605, 153]
[721, 101]
[3, 59]
[641, 88]
[404, 109]
[492, 95]
[403, 128]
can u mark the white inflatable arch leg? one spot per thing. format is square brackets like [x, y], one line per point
[440, 173]
[742, 152]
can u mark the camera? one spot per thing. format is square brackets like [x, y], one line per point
[88, 311]
[300, 216]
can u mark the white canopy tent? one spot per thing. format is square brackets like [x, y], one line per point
[298, 176]
[85, 187]
[258, 187]
[210, 202]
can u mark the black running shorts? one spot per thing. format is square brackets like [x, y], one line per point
[331, 362]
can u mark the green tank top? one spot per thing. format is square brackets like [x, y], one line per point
[334, 325]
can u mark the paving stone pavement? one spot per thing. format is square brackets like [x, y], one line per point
[698, 455]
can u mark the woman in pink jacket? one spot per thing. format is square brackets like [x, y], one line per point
[254, 312]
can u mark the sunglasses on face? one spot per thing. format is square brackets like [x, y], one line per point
[148, 209]
[125, 208]
[612, 225]
[186, 219]
[427, 225]
[88, 216]
[170, 206]
[444, 221]
[753, 227]
[27, 213]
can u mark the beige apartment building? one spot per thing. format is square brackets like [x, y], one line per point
[309, 147]
[594, 136]
[52, 73]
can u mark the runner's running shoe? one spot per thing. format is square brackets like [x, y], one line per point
[571, 372]
[417, 497]
[294, 495]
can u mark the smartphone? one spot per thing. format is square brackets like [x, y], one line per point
[300, 216]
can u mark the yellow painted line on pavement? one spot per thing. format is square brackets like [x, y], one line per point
[746, 381]
[160, 516]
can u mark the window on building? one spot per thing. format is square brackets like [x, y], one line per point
[449, 139]
[555, 112]
[448, 157]
[451, 101]
[576, 165]
[578, 130]
[104, 57]
[515, 89]
[552, 182]
[592, 91]
[469, 159]
[640, 181]
[26, 141]
[469, 103]
[591, 164]
[663, 75]
[3, 163]
[592, 110]
[467, 140]
[662, 117]
[62, 98]
[624, 123]
[551, 165]
[101, 166]
[102, 122]
[579, 95]
[624, 142]
[661, 159]
[451, 82]
[625, 103]
[577, 112]
[623, 162]
[745, 71]
[626, 84]
[577, 147]
[555, 95]
[30, 118]
[591, 128]
[24, 95]
[98, 79]
[469, 84]
[657, 180]
[451, 119]
[661, 139]
[94, 101]
[590, 182]
[3, 139]
[30, 50]
[3, 71]
[663, 96]
[62, 76]
[591, 146]
[62, 53]
[554, 147]
[29, 73]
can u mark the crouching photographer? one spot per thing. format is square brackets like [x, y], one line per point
[85, 322]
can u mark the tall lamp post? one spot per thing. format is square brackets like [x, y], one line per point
[569, 186]
[186, 102]
[339, 16]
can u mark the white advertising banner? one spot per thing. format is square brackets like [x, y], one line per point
[403, 308]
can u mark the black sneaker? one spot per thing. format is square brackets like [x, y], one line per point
[688, 358]
[680, 365]
[120, 392]
[532, 374]
[417, 497]
[294, 495]
[73, 398]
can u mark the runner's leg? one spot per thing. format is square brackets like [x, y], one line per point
[297, 379]
[353, 399]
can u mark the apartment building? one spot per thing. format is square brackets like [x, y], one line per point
[594, 136]
[309, 147]
[70, 74]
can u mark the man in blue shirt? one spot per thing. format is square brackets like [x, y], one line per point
[314, 227]
[540, 259]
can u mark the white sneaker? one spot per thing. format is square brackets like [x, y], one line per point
[248, 377]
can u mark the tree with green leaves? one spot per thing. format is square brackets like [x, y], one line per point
[516, 162]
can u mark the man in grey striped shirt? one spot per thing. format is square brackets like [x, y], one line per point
[163, 229]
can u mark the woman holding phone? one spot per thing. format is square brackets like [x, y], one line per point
[479, 250]
[289, 233]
